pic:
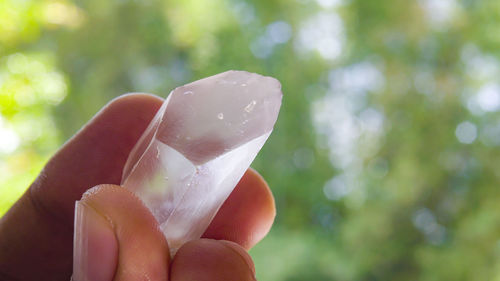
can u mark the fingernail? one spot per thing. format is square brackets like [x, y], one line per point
[95, 249]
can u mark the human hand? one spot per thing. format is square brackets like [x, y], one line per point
[116, 237]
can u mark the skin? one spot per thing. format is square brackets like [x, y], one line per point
[36, 234]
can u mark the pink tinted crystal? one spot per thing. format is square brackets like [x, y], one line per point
[197, 148]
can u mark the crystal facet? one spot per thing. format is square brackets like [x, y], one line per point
[198, 146]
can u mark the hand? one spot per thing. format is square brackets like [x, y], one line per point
[116, 236]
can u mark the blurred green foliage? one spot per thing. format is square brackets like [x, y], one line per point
[384, 161]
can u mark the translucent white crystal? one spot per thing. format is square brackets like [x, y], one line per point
[198, 146]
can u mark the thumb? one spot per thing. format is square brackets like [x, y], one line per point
[117, 238]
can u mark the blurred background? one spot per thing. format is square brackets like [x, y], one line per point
[385, 160]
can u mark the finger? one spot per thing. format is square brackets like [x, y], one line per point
[208, 260]
[247, 215]
[116, 235]
[95, 155]
[37, 232]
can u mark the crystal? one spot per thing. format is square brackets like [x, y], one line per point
[198, 146]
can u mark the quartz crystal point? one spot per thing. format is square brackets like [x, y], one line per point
[197, 148]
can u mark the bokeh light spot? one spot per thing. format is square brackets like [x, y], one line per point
[466, 132]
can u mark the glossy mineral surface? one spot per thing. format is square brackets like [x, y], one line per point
[198, 146]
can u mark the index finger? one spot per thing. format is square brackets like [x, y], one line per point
[37, 232]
